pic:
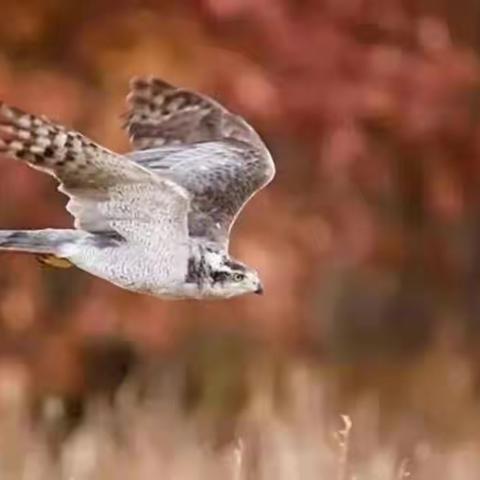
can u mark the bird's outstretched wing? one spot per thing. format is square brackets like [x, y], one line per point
[108, 192]
[161, 114]
[190, 138]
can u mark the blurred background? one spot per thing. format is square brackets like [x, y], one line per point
[362, 358]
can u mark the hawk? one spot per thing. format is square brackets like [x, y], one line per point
[156, 220]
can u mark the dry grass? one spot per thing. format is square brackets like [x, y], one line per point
[154, 436]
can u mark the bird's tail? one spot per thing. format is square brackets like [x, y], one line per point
[48, 241]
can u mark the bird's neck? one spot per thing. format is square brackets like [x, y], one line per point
[204, 258]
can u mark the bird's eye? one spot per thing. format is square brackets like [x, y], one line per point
[238, 277]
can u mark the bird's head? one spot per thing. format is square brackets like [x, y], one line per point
[230, 278]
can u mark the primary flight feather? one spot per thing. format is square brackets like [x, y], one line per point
[156, 220]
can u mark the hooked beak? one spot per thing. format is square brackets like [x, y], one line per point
[259, 290]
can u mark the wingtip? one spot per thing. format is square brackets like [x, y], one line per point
[6, 111]
[16, 116]
[139, 83]
[144, 82]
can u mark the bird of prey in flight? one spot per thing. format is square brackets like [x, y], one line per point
[156, 220]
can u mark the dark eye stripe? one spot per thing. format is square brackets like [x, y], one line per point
[219, 276]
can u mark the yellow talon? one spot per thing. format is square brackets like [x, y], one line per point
[53, 261]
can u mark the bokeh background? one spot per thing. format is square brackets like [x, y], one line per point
[362, 358]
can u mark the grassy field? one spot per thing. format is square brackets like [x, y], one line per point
[251, 419]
